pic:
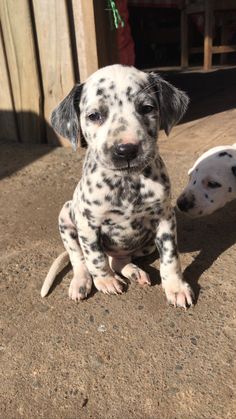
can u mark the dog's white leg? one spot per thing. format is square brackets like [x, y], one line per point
[96, 260]
[81, 283]
[177, 291]
[129, 270]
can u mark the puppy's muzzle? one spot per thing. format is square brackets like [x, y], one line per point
[185, 203]
[125, 152]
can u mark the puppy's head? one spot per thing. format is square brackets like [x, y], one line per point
[119, 110]
[212, 182]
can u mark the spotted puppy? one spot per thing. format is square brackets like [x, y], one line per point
[212, 182]
[121, 207]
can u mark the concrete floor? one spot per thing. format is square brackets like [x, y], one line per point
[132, 355]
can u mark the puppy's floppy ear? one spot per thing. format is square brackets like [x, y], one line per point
[65, 118]
[173, 102]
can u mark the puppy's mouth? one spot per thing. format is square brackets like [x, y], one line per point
[127, 166]
[135, 165]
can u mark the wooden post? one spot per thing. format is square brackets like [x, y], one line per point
[20, 51]
[53, 36]
[85, 37]
[208, 34]
[8, 129]
[184, 38]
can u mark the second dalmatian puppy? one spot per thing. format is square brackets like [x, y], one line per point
[121, 208]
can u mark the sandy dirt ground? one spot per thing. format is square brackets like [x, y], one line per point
[128, 356]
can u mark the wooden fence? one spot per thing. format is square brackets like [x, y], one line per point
[45, 47]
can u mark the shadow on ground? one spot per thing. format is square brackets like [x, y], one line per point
[211, 236]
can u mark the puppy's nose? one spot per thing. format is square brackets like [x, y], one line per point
[184, 204]
[125, 151]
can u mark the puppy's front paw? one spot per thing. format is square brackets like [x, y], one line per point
[109, 285]
[80, 287]
[179, 293]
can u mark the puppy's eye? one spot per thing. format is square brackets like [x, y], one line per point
[95, 117]
[145, 109]
[211, 184]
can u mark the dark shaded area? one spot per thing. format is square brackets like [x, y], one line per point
[156, 34]
[212, 235]
[27, 123]
[209, 93]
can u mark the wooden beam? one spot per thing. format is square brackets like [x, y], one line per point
[85, 37]
[24, 78]
[208, 34]
[184, 39]
[55, 55]
[221, 49]
[8, 125]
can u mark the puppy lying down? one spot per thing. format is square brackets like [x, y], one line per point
[212, 182]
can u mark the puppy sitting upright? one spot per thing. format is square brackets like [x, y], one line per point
[121, 207]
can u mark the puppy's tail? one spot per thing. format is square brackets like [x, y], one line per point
[59, 263]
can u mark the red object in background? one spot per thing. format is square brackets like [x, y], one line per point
[125, 41]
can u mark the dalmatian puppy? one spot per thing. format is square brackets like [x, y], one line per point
[212, 182]
[121, 207]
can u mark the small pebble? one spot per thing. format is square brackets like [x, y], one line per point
[102, 328]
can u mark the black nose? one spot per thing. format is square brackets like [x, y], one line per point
[125, 151]
[184, 204]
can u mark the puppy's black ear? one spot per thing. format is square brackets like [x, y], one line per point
[173, 102]
[65, 118]
[234, 170]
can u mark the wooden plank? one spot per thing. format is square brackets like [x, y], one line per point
[20, 51]
[184, 39]
[221, 49]
[55, 54]
[85, 37]
[208, 35]
[8, 129]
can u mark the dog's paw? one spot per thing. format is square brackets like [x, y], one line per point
[80, 287]
[109, 285]
[179, 293]
[135, 274]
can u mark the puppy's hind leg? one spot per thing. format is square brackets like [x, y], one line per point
[81, 283]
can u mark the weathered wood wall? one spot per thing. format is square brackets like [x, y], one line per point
[45, 47]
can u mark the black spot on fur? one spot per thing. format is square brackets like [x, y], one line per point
[234, 170]
[73, 235]
[87, 213]
[100, 92]
[224, 153]
[147, 171]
